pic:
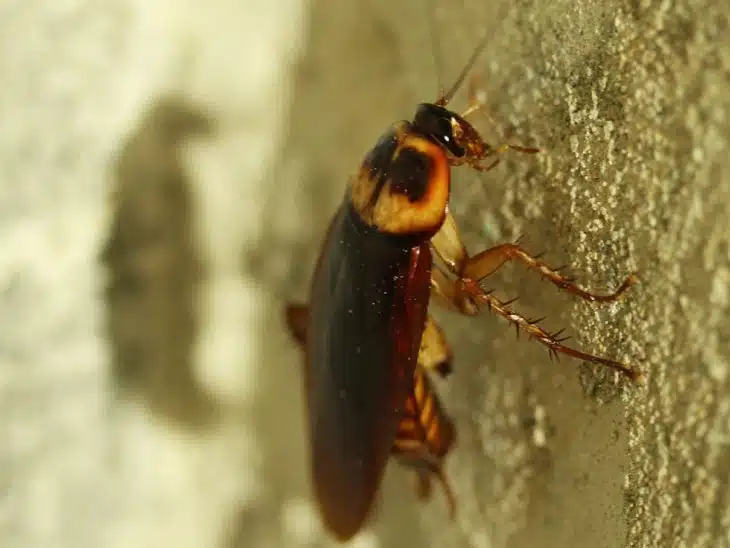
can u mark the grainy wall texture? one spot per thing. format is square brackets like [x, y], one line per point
[167, 171]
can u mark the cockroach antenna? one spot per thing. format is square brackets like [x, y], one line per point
[445, 98]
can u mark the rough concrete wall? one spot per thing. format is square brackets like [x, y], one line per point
[629, 102]
[151, 396]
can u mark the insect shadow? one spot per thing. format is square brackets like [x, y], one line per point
[154, 268]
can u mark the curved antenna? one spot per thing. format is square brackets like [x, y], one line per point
[446, 97]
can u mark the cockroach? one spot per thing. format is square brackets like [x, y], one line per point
[368, 337]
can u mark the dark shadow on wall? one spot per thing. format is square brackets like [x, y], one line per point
[154, 268]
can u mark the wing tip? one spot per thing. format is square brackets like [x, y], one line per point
[345, 513]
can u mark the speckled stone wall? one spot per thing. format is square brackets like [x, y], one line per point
[629, 103]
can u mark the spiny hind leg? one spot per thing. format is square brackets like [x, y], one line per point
[467, 297]
[463, 294]
[448, 245]
[490, 260]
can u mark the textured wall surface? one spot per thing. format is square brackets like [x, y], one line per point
[629, 102]
[167, 171]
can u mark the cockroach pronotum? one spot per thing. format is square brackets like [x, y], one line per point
[367, 334]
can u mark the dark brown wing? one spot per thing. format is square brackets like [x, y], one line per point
[425, 433]
[369, 298]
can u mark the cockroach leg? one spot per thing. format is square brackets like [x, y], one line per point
[414, 454]
[444, 293]
[297, 319]
[481, 166]
[448, 246]
[526, 150]
[434, 353]
[438, 472]
[489, 261]
[465, 295]
[469, 297]
[450, 498]
[423, 485]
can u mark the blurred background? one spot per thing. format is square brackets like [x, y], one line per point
[167, 172]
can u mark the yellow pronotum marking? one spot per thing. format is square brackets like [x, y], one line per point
[394, 212]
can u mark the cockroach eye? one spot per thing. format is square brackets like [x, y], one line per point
[438, 122]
